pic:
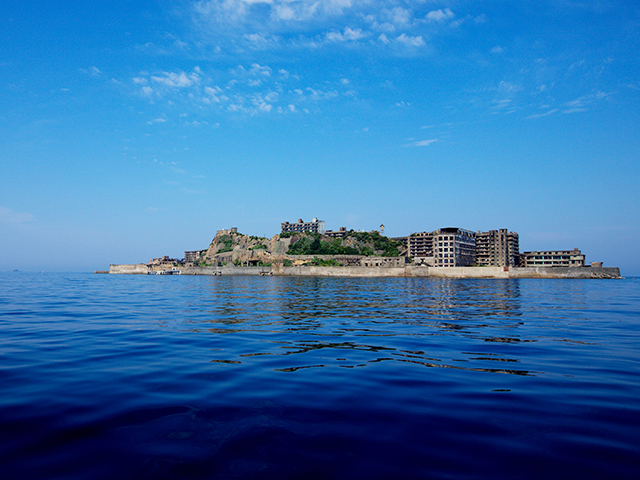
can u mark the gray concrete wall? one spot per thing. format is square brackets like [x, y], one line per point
[342, 271]
[468, 272]
[564, 272]
[226, 270]
[136, 269]
[407, 271]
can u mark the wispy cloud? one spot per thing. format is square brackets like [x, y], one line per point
[440, 15]
[544, 114]
[349, 34]
[93, 71]
[254, 89]
[263, 24]
[9, 216]
[582, 103]
[422, 143]
[157, 120]
[410, 41]
[176, 80]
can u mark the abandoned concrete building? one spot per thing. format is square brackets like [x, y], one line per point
[499, 248]
[314, 226]
[552, 258]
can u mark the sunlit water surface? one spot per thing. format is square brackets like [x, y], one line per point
[176, 377]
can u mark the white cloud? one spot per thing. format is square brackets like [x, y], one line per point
[398, 17]
[157, 120]
[9, 216]
[508, 87]
[258, 40]
[258, 69]
[93, 71]
[440, 15]
[410, 41]
[246, 89]
[178, 80]
[214, 94]
[540, 115]
[424, 143]
[317, 95]
[349, 34]
[289, 12]
[241, 27]
[353, 33]
[284, 12]
[580, 104]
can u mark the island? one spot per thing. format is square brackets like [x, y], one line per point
[307, 249]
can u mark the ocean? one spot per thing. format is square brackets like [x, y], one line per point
[234, 377]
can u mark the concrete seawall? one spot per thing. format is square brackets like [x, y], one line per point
[406, 271]
[135, 269]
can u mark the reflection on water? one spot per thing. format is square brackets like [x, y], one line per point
[349, 323]
[266, 377]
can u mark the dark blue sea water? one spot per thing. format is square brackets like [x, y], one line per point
[179, 377]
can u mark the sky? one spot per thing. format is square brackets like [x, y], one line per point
[133, 129]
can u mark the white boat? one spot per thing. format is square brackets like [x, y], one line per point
[173, 271]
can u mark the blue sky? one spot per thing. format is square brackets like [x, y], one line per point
[135, 129]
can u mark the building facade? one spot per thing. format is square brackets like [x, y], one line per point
[194, 255]
[553, 258]
[446, 247]
[336, 233]
[497, 248]
[420, 245]
[314, 226]
[454, 247]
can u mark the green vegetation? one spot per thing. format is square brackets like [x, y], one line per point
[288, 263]
[227, 243]
[322, 263]
[367, 243]
[287, 234]
[260, 246]
[388, 247]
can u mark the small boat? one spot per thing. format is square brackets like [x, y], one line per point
[173, 271]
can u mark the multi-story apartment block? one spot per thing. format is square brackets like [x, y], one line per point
[454, 247]
[194, 255]
[337, 233]
[446, 247]
[499, 248]
[420, 244]
[552, 258]
[315, 226]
